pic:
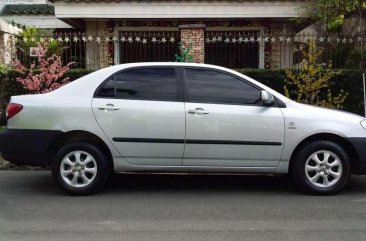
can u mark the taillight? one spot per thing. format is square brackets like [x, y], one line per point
[12, 110]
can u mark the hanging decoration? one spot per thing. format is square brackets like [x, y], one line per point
[267, 44]
[110, 40]
[266, 38]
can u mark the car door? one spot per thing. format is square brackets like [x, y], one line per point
[226, 123]
[141, 110]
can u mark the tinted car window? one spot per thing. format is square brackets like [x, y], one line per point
[107, 90]
[209, 86]
[147, 84]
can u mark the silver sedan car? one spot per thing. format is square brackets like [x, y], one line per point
[180, 117]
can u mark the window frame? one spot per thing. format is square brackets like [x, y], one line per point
[179, 96]
[188, 99]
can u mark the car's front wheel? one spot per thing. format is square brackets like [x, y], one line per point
[80, 168]
[321, 167]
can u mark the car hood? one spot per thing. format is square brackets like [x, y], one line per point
[316, 112]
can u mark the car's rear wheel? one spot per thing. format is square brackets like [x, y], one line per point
[80, 168]
[321, 167]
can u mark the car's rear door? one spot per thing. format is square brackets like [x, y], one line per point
[141, 110]
[226, 123]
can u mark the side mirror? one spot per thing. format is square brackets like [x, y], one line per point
[267, 98]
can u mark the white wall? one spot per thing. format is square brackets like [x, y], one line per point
[22, 1]
[178, 9]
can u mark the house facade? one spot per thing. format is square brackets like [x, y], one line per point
[16, 13]
[230, 33]
[36, 13]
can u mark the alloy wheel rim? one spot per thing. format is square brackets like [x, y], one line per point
[323, 169]
[78, 169]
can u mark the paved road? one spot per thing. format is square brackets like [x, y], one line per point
[166, 207]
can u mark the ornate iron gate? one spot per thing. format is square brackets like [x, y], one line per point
[148, 46]
[234, 49]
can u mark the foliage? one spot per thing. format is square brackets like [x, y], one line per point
[309, 83]
[274, 78]
[185, 54]
[355, 59]
[54, 47]
[49, 74]
[74, 74]
[3, 69]
[3, 72]
[33, 37]
[347, 57]
[332, 12]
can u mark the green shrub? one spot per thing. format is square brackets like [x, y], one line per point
[271, 77]
[351, 82]
[184, 54]
[74, 74]
[310, 84]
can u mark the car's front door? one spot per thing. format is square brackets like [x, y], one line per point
[142, 113]
[226, 123]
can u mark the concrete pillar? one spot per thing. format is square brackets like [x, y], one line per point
[96, 53]
[7, 48]
[194, 35]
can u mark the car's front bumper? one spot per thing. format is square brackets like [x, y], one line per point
[27, 147]
[359, 145]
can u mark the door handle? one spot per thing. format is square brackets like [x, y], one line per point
[108, 107]
[198, 111]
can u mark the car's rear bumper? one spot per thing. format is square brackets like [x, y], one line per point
[360, 146]
[27, 147]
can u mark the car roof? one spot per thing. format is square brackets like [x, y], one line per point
[96, 78]
[173, 64]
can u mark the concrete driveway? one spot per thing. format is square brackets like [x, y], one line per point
[167, 207]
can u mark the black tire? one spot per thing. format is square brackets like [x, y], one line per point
[97, 180]
[302, 177]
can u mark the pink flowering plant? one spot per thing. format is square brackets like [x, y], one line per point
[45, 75]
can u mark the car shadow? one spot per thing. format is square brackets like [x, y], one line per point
[215, 183]
[191, 183]
[198, 183]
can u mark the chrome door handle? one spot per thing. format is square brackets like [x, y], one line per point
[198, 111]
[108, 107]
